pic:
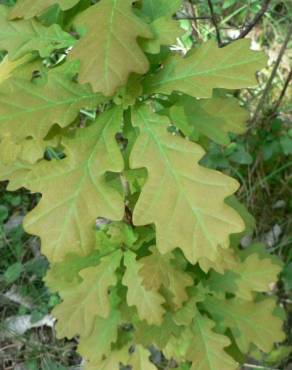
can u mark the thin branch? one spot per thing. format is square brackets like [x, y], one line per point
[214, 21]
[190, 8]
[273, 75]
[189, 17]
[283, 92]
[246, 30]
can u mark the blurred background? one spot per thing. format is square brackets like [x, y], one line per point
[261, 160]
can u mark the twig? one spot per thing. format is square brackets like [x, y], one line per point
[283, 92]
[214, 21]
[273, 75]
[193, 18]
[190, 17]
[246, 30]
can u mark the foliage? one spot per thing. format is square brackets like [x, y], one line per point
[141, 237]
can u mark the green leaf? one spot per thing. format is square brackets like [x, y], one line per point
[208, 67]
[98, 343]
[255, 275]
[13, 272]
[174, 196]
[28, 109]
[206, 349]
[87, 300]
[112, 30]
[166, 31]
[159, 270]
[75, 190]
[30, 8]
[140, 359]
[155, 9]
[250, 322]
[147, 302]
[22, 37]
[213, 118]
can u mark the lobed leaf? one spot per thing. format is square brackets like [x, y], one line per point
[30, 110]
[208, 67]
[84, 302]
[75, 191]
[23, 37]
[148, 302]
[184, 200]
[112, 30]
[31, 8]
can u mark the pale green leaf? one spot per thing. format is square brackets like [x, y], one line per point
[109, 51]
[250, 322]
[7, 67]
[28, 109]
[213, 118]
[165, 31]
[140, 360]
[206, 348]
[84, 302]
[158, 270]
[208, 67]
[75, 191]
[98, 343]
[30, 8]
[112, 362]
[148, 302]
[184, 200]
[255, 275]
[155, 9]
[148, 335]
[22, 37]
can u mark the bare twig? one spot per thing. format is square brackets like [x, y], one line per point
[247, 28]
[190, 17]
[192, 12]
[214, 21]
[283, 92]
[273, 75]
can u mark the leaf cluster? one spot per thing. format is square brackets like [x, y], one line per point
[100, 117]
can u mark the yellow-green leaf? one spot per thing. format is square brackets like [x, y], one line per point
[109, 51]
[75, 190]
[206, 348]
[255, 275]
[28, 109]
[208, 67]
[148, 302]
[23, 37]
[155, 9]
[30, 8]
[159, 270]
[250, 322]
[213, 118]
[84, 302]
[140, 359]
[184, 200]
[98, 344]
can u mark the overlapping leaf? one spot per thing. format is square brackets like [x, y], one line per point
[75, 191]
[206, 348]
[98, 344]
[213, 118]
[208, 67]
[148, 302]
[157, 270]
[22, 37]
[30, 8]
[83, 303]
[109, 51]
[28, 109]
[250, 322]
[184, 200]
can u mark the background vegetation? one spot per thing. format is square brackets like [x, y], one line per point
[261, 160]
